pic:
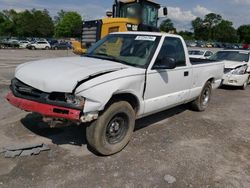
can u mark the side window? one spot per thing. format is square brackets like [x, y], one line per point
[172, 48]
[207, 54]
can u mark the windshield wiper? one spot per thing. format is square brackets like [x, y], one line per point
[110, 57]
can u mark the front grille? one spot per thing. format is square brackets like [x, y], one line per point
[22, 89]
[25, 91]
[91, 32]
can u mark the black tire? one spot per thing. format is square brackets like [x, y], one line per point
[244, 87]
[202, 102]
[111, 132]
[46, 48]
[33, 48]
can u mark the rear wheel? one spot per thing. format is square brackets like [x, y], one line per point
[201, 103]
[111, 132]
[46, 48]
[33, 48]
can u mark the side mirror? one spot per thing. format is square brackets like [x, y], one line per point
[163, 12]
[165, 63]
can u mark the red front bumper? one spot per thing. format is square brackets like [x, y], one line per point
[44, 109]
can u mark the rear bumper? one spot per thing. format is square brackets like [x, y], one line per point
[44, 109]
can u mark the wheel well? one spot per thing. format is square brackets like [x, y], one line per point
[128, 97]
[211, 80]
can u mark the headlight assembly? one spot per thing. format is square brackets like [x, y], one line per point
[75, 100]
[240, 70]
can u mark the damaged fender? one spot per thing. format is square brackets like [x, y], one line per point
[99, 91]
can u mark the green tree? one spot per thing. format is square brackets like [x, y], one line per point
[244, 33]
[200, 30]
[187, 35]
[167, 26]
[60, 15]
[7, 22]
[69, 25]
[26, 24]
[210, 22]
[44, 24]
[35, 23]
[225, 32]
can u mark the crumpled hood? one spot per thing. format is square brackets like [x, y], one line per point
[63, 74]
[233, 64]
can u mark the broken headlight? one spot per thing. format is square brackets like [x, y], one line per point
[240, 70]
[78, 101]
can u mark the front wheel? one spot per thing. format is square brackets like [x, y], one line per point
[244, 87]
[111, 132]
[201, 103]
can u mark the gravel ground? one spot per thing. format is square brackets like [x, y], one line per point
[176, 148]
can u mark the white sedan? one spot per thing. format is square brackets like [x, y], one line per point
[200, 54]
[23, 43]
[237, 67]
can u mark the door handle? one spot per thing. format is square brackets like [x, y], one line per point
[186, 73]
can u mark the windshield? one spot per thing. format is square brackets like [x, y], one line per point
[147, 13]
[231, 56]
[133, 50]
[196, 52]
[150, 15]
[131, 11]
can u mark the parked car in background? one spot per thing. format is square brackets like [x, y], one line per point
[61, 46]
[246, 46]
[23, 43]
[52, 41]
[201, 44]
[39, 45]
[237, 67]
[200, 54]
[9, 43]
[209, 45]
[191, 43]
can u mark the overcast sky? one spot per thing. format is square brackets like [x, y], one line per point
[180, 11]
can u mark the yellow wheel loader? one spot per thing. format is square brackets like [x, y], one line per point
[127, 15]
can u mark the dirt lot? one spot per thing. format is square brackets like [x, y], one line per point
[200, 150]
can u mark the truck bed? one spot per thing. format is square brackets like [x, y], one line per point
[195, 61]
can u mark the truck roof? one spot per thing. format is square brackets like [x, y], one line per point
[147, 33]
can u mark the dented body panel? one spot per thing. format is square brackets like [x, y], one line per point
[97, 81]
[63, 74]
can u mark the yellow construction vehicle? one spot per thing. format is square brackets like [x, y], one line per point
[127, 15]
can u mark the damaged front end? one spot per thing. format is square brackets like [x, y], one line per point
[55, 106]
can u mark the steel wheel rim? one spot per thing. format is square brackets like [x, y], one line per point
[206, 96]
[117, 128]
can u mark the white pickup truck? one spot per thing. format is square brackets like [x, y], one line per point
[123, 77]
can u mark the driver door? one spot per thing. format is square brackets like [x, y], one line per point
[166, 88]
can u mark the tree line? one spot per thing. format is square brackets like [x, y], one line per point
[212, 28]
[39, 23]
